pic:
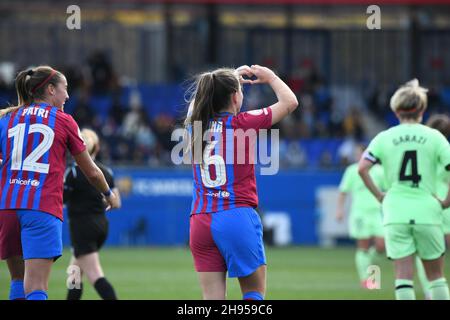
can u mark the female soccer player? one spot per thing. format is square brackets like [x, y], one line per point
[87, 222]
[366, 225]
[411, 154]
[225, 230]
[440, 122]
[34, 137]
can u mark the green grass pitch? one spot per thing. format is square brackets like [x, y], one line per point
[168, 273]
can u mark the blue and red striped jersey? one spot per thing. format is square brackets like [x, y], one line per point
[226, 179]
[33, 141]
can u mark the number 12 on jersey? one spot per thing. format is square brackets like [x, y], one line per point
[30, 163]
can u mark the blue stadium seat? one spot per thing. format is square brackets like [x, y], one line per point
[101, 104]
[445, 97]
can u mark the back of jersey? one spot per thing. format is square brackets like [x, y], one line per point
[226, 180]
[410, 155]
[33, 143]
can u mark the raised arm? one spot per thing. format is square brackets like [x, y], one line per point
[287, 101]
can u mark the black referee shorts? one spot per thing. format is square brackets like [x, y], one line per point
[88, 233]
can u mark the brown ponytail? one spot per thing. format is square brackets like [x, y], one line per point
[212, 94]
[31, 85]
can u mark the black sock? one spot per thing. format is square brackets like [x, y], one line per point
[105, 289]
[75, 294]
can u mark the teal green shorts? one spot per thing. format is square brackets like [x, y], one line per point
[425, 240]
[366, 227]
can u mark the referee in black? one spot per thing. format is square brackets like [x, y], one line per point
[88, 224]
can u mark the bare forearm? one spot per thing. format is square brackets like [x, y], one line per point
[370, 184]
[341, 201]
[284, 94]
[91, 171]
[97, 179]
[117, 194]
[446, 202]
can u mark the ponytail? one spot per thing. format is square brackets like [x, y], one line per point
[203, 111]
[211, 93]
[22, 87]
[23, 96]
[31, 85]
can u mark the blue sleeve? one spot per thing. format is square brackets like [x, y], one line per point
[2, 121]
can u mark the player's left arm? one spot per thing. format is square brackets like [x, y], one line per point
[287, 101]
[255, 119]
[444, 158]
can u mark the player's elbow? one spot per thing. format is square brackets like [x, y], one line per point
[292, 103]
[362, 170]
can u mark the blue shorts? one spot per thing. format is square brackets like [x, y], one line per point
[227, 240]
[41, 235]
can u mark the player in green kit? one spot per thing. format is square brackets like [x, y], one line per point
[365, 220]
[411, 155]
[440, 122]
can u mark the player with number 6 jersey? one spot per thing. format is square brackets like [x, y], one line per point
[225, 230]
[411, 155]
[220, 184]
[34, 137]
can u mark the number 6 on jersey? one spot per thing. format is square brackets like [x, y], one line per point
[218, 162]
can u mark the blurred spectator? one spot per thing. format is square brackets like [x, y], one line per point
[101, 71]
[138, 134]
[292, 154]
[353, 125]
[326, 160]
[346, 151]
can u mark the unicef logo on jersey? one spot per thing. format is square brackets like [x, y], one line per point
[35, 183]
[20, 182]
[220, 194]
[224, 194]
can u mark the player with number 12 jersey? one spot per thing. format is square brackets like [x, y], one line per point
[34, 140]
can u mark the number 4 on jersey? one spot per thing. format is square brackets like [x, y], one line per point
[410, 160]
